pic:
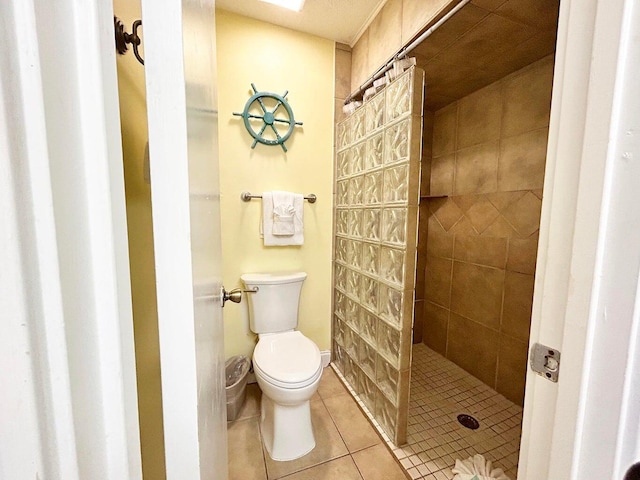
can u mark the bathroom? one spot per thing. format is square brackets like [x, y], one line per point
[305, 66]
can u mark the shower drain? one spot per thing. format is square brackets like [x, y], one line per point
[468, 421]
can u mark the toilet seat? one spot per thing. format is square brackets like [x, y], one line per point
[287, 360]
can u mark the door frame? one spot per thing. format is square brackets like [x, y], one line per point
[581, 270]
[61, 129]
[576, 227]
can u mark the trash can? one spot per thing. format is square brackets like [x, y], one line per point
[236, 371]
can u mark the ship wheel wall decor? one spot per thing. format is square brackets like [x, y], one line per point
[268, 118]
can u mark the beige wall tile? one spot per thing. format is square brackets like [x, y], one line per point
[425, 176]
[439, 242]
[500, 228]
[476, 293]
[339, 115]
[488, 4]
[441, 179]
[418, 319]
[476, 169]
[421, 260]
[417, 13]
[245, 450]
[494, 34]
[522, 161]
[531, 50]
[524, 215]
[427, 134]
[447, 212]
[463, 227]
[438, 280]
[436, 320]
[343, 73]
[502, 200]
[518, 298]
[527, 99]
[512, 369]
[354, 428]
[385, 34]
[377, 463]
[531, 12]
[489, 251]
[465, 202]
[479, 117]
[360, 66]
[457, 26]
[522, 254]
[482, 213]
[474, 347]
[444, 130]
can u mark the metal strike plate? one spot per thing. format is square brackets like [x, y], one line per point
[545, 361]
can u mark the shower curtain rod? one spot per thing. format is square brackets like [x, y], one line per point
[404, 51]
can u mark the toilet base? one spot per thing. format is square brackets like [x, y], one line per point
[287, 432]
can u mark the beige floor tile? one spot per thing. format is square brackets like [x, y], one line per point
[330, 384]
[377, 463]
[245, 450]
[342, 468]
[355, 429]
[251, 407]
[329, 445]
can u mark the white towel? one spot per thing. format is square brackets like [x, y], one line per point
[267, 224]
[283, 213]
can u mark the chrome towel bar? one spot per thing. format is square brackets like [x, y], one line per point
[246, 197]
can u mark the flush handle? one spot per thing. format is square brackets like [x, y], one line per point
[235, 295]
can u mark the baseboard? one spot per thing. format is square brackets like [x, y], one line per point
[325, 357]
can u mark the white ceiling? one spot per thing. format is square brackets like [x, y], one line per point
[339, 20]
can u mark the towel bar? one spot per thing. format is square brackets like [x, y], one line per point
[246, 197]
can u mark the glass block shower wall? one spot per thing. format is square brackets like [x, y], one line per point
[376, 217]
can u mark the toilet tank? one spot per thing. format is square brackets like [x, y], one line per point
[274, 307]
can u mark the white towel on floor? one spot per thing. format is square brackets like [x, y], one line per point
[286, 216]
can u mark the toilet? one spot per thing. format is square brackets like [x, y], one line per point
[287, 364]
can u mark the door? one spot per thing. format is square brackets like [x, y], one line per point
[586, 291]
[180, 70]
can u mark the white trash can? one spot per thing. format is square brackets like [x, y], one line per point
[236, 372]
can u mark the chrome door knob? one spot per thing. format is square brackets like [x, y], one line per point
[235, 295]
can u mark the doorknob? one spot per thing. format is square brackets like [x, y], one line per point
[235, 295]
[633, 473]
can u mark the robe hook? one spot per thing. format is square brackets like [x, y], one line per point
[122, 38]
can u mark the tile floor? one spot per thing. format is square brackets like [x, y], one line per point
[349, 448]
[440, 391]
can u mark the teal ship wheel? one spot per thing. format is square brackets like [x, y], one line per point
[263, 106]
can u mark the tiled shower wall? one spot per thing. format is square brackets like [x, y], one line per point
[488, 165]
[377, 194]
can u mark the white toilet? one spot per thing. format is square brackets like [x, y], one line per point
[287, 364]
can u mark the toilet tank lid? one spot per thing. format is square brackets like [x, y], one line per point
[272, 278]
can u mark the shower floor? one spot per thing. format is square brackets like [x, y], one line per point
[440, 391]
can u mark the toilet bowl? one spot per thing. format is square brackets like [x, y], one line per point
[288, 368]
[287, 364]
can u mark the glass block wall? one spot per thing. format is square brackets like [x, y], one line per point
[376, 217]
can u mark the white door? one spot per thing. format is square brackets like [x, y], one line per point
[180, 71]
[586, 301]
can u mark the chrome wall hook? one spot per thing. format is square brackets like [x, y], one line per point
[123, 38]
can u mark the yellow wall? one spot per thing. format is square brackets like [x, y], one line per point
[276, 59]
[133, 117]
